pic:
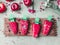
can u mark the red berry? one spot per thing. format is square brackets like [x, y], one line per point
[15, 7]
[27, 2]
[31, 10]
[2, 8]
[9, 0]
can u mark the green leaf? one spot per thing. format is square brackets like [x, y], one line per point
[49, 18]
[24, 17]
[37, 20]
[11, 18]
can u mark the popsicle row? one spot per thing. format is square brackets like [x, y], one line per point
[30, 27]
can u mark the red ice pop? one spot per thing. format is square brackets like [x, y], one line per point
[13, 25]
[24, 26]
[36, 28]
[47, 26]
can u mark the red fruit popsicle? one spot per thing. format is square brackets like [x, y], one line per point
[27, 2]
[13, 25]
[47, 26]
[24, 26]
[36, 28]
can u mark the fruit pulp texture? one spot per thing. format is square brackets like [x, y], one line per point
[13, 27]
[36, 29]
[46, 27]
[24, 26]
